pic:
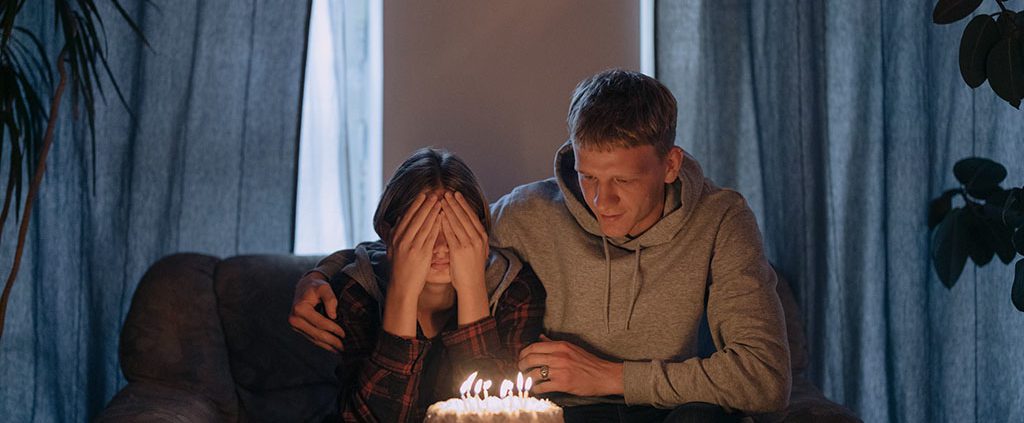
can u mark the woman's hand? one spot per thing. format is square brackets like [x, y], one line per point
[467, 252]
[412, 245]
[410, 251]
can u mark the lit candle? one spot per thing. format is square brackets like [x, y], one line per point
[519, 383]
[528, 384]
[464, 389]
[506, 388]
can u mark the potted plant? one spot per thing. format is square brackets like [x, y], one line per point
[30, 99]
[989, 224]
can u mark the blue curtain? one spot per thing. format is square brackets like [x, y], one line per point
[839, 120]
[207, 165]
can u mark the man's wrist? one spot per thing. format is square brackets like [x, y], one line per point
[613, 374]
[314, 275]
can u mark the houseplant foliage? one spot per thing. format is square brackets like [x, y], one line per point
[33, 82]
[991, 46]
[989, 224]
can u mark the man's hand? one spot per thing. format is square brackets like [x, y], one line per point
[571, 369]
[311, 290]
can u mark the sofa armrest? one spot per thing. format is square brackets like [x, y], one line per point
[808, 405]
[150, 402]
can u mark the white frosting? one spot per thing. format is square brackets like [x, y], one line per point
[494, 409]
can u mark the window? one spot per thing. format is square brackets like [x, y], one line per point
[339, 176]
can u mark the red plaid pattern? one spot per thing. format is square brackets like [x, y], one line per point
[382, 375]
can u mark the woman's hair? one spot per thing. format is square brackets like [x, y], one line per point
[427, 169]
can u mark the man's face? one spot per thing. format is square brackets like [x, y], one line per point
[625, 187]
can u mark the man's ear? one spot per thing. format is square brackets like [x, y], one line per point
[674, 158]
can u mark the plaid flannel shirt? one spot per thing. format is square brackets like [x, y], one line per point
[387, 378]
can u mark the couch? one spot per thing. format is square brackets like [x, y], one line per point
[207, 340]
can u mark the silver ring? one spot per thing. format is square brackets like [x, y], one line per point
[544, 372]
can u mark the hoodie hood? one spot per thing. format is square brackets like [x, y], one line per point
[372, 270]
[681, 197]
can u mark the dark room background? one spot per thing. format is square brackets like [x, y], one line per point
[838, 121]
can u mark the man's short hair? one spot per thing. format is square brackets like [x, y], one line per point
[622, 109]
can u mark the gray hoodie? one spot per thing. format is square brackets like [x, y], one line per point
[368, 265]
[641, 300]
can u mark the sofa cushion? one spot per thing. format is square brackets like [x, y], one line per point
[172, 336]
[280, 376]
[142, 402]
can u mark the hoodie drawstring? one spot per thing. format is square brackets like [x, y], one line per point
[607, 285]
[634, 291]
[636, 286]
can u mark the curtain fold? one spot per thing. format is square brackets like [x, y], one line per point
[207, 165]
[839, 121]
[340, 151]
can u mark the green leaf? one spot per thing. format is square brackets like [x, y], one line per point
[979, 248]
[131, 23]
[1000, 238]
[939, 207]
[999, 197]
[1018, 240]
[949, 247]
[949, 11]
[1005, 69]
[1007, 23]
[978, 39]
[980, 176]
[1017, 291]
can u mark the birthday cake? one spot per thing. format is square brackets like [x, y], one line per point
[511, 405]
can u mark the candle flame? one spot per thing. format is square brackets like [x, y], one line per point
[475, 391]
[464, 389]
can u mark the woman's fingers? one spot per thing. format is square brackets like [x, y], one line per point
[426, 232]
[446, 229]
[403, 222]
[420, 220]
[459, 220]
[477, 225]
[455, 235]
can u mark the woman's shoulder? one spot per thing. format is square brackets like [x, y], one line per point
[525, 288]
[353, 298]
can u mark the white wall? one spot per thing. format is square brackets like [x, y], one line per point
[491, 80]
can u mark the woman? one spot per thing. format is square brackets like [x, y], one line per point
[417, 309]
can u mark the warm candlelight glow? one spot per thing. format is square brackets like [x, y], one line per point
[467, 385]
[487, 387]
[514, 400]
[476, 392]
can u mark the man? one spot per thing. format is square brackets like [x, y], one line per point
[634, 246]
